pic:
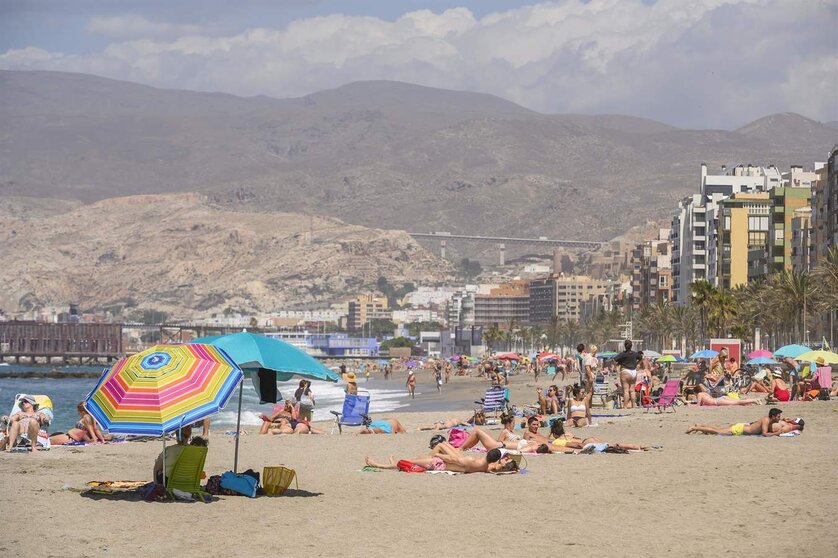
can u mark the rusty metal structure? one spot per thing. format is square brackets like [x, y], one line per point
[65, 342]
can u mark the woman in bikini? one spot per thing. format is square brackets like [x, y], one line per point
[477, 419]
[707, 400]
[85, 430]
[383, 426]
[628, 361]
[579, 403]
[549, 404]
[287, 421]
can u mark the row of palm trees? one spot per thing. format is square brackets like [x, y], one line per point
[786, 307]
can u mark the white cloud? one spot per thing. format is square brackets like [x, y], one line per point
[715, 63]
[137, 27]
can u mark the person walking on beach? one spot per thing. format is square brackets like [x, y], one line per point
[628, 361]
[581, 357]
[438, 376]
[411, 384]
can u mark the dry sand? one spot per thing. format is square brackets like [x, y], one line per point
[698, 496]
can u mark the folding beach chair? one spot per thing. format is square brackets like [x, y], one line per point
[494, 402]
[186, 473]
[667, 398]
[601, 388]
[356, 409]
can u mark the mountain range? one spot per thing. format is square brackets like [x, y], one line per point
[182, 255]
[378, 154]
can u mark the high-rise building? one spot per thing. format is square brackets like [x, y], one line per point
[785, 200]
[801, 239]
[505, 306]
[820, 215]
[459, 310]
[694, 229]
[651, 276]
[365, 308]
[742, 238]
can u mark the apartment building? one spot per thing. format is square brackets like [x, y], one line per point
[505, 305]
[651, 274]
[801, 239]
[695, 227]
[459, 310]
[365, 308]
[745, 221]
[785, 200]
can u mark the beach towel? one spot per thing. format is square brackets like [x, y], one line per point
[791, 434]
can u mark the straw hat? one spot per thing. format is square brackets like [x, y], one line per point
[350, 377]
[820, 360]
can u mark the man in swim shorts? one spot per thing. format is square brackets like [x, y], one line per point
[761, 427]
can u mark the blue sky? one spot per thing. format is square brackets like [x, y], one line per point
[691, 63]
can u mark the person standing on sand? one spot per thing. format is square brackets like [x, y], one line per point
[411, 384]
[351, 383]
[759, 427]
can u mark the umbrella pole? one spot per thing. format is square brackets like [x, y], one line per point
[238, 427]
[164, 459]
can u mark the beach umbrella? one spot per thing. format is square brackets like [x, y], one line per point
[761, 353]
[254, 352]
[706, 353]
[792, 351]
[650, 353]
[608, 355]
[812, 356]
[762, 360]
[507, 356]
[667, 358]
[162, 389]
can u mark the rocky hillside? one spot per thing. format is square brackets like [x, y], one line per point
[181, 255]
[377, 154]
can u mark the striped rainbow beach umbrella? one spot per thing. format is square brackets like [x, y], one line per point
[163, 388]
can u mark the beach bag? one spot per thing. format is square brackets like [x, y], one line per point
[406, 466]
[241, 484]
[457, 437]
[276, 480]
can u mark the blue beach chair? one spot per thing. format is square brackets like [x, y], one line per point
[494, 402]
[355, 412]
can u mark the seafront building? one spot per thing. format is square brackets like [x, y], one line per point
[706, 245]
[504, 306]
[365, 308]
[651, 272]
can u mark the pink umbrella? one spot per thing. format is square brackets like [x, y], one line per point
[761, 353]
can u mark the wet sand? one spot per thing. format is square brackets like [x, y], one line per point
[698, 496]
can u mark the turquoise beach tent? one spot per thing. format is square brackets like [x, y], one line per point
[253, 352]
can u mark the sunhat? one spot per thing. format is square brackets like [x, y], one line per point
[350, 377]
[28, 398]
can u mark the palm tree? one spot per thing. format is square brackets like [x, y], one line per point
[701, 293]
[492, 336]
[796, 291]
[722, 310]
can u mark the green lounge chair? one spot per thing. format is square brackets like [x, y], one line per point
[186, 474]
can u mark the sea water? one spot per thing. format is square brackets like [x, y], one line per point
[66, 393]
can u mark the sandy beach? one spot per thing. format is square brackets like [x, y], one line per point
[698, 496]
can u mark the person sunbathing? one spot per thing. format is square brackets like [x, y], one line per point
[445, 457]
[759, 427]
[551, 403]
[562, 442]
[383, 426]
[287, 421]
[579, 405]
[507, 439]
[477, 419]
[706, 400]
[85, 430]
[26, 421]
[788, 425]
